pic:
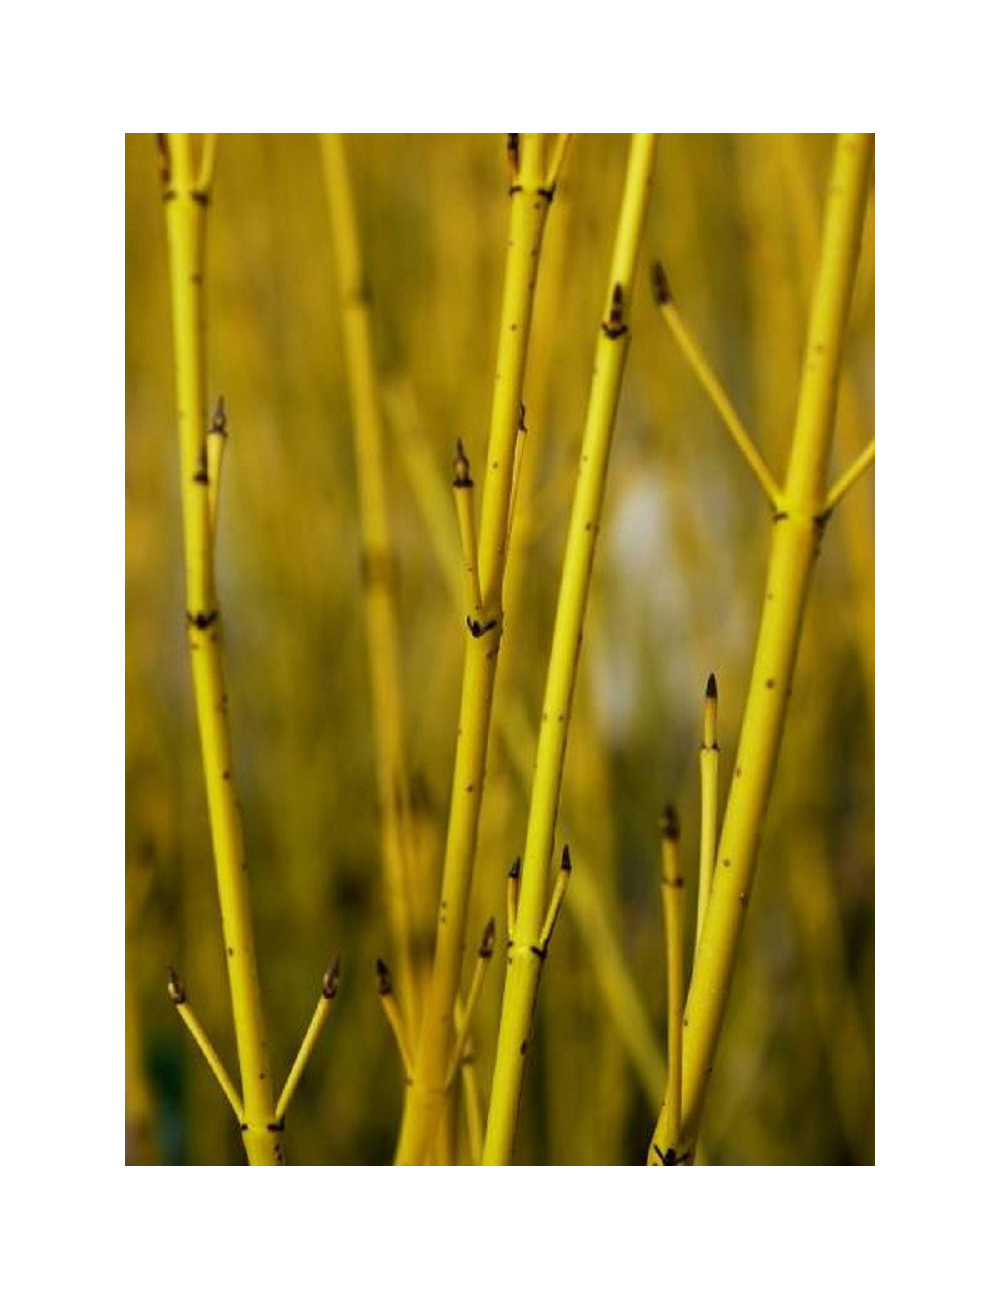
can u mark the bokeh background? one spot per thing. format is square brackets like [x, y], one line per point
[676, 594]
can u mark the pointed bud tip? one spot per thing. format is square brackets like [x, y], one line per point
[174, 986]
[566, 864]
[460, 467]
[489, 936]
[711, 689]
[219, 416]
[661, 285]
[331, 978]
[382, 977]
[670, 824]
[515, 869]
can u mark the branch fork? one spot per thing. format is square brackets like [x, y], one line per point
[329, 987]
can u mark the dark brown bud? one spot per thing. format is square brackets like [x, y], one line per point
[460, 467]
[670, 824]
[175, 988]
[661, 285]
[383, 979]
[331, 979]
[486, 944]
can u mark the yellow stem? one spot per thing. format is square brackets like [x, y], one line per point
[462, 488]
[706, 376]
[555, 906]
[558, 158]
[184, 1010]
[378, 569]
[186, 209]
[672, 891]
[709, 773]
[471, 1099]
[425, 1100]
[463, 1021]
[795, 537]
[524, 964]
[850, 476]
[218, 436]
[614, 979]
[515, 481]
[513, 892]
[394, 1015]
[206, 169]
[857, 521]
[328, 991]
[473, 1103]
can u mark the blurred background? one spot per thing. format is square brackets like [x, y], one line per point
[676, 594]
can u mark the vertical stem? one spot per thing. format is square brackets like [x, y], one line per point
[708, 765]
[795, 537]
[186, 211]
[523, 962]
[672, 891]
[425, 1102]
[378, 572]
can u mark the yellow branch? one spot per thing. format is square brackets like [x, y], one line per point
[555, 905]
[706, 376]
[328, 991]
[394, 1015]
[463, 1021]
[795, 537]
[524, 965]
[206, 169]
[850, 476]
[614, 979]
[179, 998]
[186, 209]
[709, 773]
[556, 166]
[218, 436]
[462, 488]
[672, 891]
[425, 1102]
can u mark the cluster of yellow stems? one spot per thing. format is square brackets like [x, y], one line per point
[430, 1017]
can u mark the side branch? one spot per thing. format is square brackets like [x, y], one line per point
[463, 1020]
[556, 165]
[849, 477]
[328, 991]
[394, 1015]
[665, 1142]
[206, 169]
[708, 767]
[706, 376]
[179, 998]
[218, 436]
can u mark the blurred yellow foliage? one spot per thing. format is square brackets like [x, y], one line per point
[677, 589]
